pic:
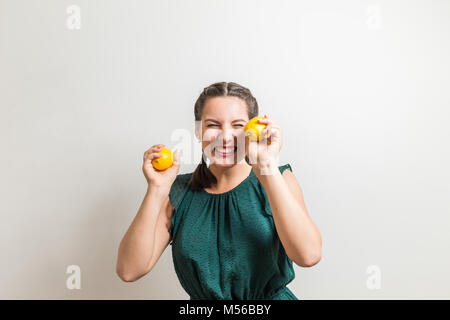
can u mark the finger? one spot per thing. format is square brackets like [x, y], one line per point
[276, 131]
[153, 155]
[272, 127]
[156, 147]
[265, 133]
[176, 158]
[266, 120]
[268, 133]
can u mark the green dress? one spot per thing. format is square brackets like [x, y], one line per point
[225, 246]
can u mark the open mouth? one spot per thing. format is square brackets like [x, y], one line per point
[225, 152]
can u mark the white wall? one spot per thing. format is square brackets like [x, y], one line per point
[360, 88]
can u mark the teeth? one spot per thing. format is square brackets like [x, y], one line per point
[225, 150]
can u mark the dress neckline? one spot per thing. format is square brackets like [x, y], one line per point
[232, 190]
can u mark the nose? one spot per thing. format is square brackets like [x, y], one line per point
[228, 136]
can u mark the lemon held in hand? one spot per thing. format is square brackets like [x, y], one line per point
[165, 161]
[253, 128]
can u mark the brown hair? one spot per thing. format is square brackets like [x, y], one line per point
[202, 176]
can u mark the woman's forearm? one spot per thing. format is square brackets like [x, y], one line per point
[136, 247]
[298, 233]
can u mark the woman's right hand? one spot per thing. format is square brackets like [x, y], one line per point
[156, 178]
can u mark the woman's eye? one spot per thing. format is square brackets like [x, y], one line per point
[215, 125]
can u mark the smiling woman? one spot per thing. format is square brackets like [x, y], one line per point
[225, 243]
[235, 231]
[221, 112]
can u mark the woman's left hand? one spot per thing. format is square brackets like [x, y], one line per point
[265, 152]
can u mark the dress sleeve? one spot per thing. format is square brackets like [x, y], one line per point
[268, 210]
[176, 195]
[284, 167]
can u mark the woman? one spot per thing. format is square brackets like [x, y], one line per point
[237, 222]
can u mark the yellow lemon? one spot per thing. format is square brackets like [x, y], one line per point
[253, 128]
[165, 161]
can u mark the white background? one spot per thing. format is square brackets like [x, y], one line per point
[360, 89]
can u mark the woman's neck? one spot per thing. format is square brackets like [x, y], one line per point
[229, 177]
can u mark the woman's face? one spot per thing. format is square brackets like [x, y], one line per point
[223, 121]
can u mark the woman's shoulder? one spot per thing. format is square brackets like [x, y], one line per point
[282, 168]
[179, 188]
[181, 181]
[183, 177]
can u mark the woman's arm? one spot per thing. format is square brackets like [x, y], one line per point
[299, 235]
[136, 247]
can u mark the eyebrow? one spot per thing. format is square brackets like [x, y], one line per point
[231, 121]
